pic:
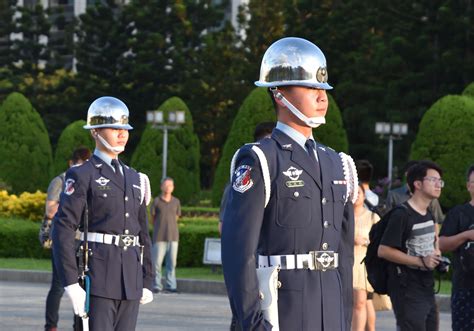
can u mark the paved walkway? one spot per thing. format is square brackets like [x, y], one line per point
[22, 309]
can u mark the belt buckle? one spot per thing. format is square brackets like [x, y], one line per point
[323, 260]
[126, 240]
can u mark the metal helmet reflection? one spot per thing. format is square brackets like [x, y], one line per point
[107, 112]
[294, 61]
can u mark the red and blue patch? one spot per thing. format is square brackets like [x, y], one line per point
[243, 181]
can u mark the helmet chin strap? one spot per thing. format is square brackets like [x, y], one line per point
[312, 122]
[116, 150]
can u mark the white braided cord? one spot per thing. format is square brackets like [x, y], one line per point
[350, 175]
[145, 188]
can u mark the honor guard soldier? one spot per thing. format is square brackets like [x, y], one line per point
[106, 200]
[290, 209]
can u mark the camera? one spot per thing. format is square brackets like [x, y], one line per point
[443, 266]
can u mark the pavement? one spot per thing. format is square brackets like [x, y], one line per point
[200, 305]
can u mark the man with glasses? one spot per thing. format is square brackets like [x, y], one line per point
[410, 243]
[457, 236]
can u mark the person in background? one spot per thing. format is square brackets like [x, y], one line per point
[165, 211]
[364, 172]
[456, 234]
[56, 186]
[363, 314]
[409, 241]
[401, 194]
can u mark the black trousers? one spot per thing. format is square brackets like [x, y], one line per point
[112, 315]
[414, 304]
[53, 300]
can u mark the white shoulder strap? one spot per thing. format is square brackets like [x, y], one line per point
[265, 170]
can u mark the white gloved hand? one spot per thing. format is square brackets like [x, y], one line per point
[78, 298]
[147, 297]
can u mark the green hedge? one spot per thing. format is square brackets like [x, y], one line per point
[20, 240]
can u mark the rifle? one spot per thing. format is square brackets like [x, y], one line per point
[81, 323]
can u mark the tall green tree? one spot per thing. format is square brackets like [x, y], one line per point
[256, 108]
[25, 150]
[7, 27]
[73, 136]
[447, 138]
[183, 154]
[29, 48]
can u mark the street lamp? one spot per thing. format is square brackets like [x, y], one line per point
[391, 131]
[175, 119]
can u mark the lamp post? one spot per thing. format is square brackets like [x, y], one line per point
[391, 132]
[175, 119]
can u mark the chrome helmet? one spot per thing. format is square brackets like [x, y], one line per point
[107, 112]
[294, 61]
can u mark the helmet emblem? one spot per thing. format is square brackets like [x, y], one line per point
[322, 75]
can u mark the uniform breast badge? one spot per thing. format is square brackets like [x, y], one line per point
[294, 175]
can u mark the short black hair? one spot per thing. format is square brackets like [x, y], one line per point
[470, 170]
[408, 165]
[263, 129]
[364, 170]
[80, 154]
[418, 172]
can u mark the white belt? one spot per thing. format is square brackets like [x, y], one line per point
[121, 240]
[314, 260]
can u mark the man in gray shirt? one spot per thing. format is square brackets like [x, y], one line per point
[165, 211]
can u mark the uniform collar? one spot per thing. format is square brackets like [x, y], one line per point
[298, 137]
[104, 157]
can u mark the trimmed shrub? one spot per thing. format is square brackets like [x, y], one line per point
[73, 136]
[332, 133]
[183, 154]
[256, 108]
[446, 137]
[21, 240]
[27, 205]
[469, 91]
[25, 150]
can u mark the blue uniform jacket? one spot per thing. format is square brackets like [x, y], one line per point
[292, 223]
[113, 208]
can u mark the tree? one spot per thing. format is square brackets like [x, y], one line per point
[332, 133]
[25, 150]
[446, 137]
[256, 108]
[30, 49]
[7, 10]
[73, 136]
[183, 154]
[469, 90]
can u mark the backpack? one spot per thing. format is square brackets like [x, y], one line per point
[377, 268]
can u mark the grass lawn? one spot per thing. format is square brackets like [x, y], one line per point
[35, 264]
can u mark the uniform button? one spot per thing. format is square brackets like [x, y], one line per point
[296, 194]
[126, 198]
[325, 246]
[323, 201]
[105, 195]
[127, 214]
[125, 248]
[326, 224]
[126, 231]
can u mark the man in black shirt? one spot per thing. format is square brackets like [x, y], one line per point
[457, 232]
[410, 243]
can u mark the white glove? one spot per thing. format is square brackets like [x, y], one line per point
[147, 297]
[78, 298]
